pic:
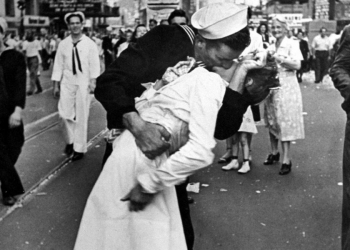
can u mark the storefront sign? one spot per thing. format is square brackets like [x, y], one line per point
[36, 21]
[54, 9]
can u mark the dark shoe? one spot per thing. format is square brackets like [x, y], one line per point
[38, 91]
[69, 149]
[77, 156]
[271, 159]
[9, 200]
[286, 168]
[190, 200]
[29, 93]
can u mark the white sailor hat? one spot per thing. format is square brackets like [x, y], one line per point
[3, 24]
[219, 20]
[77, 13]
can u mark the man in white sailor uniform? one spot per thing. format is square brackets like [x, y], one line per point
[76, 68]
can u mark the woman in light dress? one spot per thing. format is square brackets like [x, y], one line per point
[283, 108]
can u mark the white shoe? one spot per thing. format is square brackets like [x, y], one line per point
[234, 164]
[245, 168]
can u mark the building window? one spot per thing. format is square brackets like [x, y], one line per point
[10, 8]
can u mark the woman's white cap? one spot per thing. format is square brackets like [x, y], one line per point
[219, 20]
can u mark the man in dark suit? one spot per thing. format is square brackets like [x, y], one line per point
[341, 77]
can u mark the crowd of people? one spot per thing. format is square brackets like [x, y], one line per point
[169, 90]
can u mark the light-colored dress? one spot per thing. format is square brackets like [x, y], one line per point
[284, 107]
[187, 108]
[248, 123]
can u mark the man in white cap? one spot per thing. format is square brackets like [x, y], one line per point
[222, 36]
[75, 70]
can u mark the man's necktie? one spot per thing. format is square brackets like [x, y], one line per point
[75, 49]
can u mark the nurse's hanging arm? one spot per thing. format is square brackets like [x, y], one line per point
[140, 199]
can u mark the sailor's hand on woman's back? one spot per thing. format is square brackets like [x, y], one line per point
[151, 138]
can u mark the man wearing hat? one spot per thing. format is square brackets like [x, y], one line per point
[222, 36]
[12, 102]
[75, 70]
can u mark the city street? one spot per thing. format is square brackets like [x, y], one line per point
[260, 210]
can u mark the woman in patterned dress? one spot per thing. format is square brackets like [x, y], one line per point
[283, 108]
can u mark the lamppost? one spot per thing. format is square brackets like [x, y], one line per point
[21, 5]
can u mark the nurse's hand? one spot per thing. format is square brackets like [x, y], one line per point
[152, 139]
[138, 198]
[92, 86]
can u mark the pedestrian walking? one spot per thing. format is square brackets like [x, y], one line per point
[321, 48]
[283, 108]
[178, 17]
[341, 77]
[243, 138]
[53, 47]
[159, 49]
[121, 47]
[74, 75]
[31, 49]
[264, 32]
[12, 102]
[140, 30]
[45, 52]
[152, 23]
[304, 48]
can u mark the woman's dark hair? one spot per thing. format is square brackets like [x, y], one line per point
[133, 37]
[237, 41]
[175, 13]
[30, 36]
[152, 21]
[300, 31]
[259, 28]
[1, 30]
[323, 28]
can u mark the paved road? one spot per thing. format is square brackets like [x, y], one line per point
[259, 210]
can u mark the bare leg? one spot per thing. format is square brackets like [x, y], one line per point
[286, 149]
[235, 144]
[234, 164]
[245, 148]
[250, 138]
[274, 144]
[228, 152]
[245, 145]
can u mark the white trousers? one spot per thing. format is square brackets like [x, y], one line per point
[73, 108]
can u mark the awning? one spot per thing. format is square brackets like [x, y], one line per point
[158, 5]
